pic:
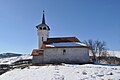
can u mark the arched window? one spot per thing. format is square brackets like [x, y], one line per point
[64, 51]
[44, 28]
[40, 28]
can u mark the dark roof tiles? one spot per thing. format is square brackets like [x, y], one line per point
[61, 39]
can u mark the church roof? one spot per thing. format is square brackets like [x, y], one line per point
[61, 39]
[37, 52]
[63, 42]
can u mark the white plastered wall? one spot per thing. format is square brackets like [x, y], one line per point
[71, 55]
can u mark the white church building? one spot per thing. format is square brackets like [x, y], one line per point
[59, 49]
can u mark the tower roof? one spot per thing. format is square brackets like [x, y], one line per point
[43, 24]
[43, 18]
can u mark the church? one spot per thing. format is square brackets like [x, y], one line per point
[58, 50]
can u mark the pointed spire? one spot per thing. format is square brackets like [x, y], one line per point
[43, 18]
[43, 24]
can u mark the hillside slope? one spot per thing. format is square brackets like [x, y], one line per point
[11, 58]
[64, 72]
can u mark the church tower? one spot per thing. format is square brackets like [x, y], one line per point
[43, 32]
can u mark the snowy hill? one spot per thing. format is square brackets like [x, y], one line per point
[10, 61]
[114, 53]
[64, 72]
[15, 57]
[7, 55]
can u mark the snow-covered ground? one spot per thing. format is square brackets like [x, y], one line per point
[61, 72]
[64, 72]
[11, 60]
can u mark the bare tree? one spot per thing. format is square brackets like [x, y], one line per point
[97, 47]
[100, 48]
[90, 43]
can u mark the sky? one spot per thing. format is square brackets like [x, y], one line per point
[84, 19]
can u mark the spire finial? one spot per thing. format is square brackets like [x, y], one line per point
[43, 18]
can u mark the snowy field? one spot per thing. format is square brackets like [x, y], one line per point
[64, 72]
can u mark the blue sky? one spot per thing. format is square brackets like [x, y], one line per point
[85, 19]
